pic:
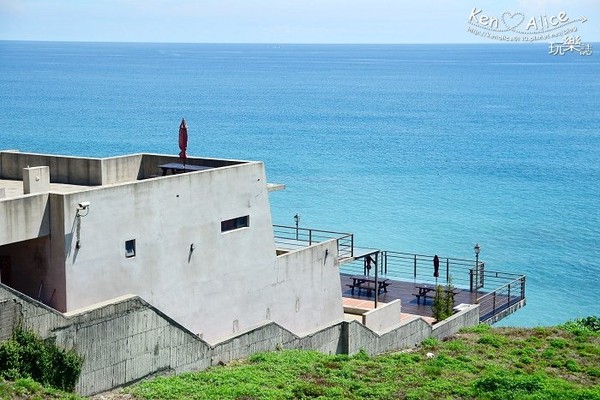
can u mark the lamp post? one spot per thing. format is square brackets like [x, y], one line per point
[477, 250]
[297, 220]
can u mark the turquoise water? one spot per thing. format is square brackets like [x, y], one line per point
[413, 148]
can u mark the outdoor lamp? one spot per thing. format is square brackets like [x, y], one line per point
[297, 219]
[477, 249]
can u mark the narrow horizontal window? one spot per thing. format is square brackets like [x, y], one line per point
[235, 223]
[130, 248]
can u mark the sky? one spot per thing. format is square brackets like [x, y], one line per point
[275, 21]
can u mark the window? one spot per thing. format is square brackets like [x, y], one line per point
[235, 223]
[130, 248]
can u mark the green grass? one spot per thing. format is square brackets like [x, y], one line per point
[27, 388]
[478, 363]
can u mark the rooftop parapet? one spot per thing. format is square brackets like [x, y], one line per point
[85, 171]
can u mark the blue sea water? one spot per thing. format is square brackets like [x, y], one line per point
[416, 148]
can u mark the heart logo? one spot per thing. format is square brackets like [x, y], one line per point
[511, 21]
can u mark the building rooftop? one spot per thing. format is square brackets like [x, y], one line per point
[68, 174]
[14, 188]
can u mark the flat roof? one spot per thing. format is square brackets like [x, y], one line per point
[14, 188]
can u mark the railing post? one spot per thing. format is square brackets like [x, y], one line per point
[482, 274]
[471, 280]
[310, 237]
[494, 304]
[376, 288]
[384, 259]
[415, 268]
[509, 294]
[447, 270]
[352, 245]
[522, 288]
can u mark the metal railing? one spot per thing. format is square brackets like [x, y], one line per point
[291, 238]
[419, 268]
[499, 290]
[501, 299]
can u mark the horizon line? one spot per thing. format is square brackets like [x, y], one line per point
[279, 43]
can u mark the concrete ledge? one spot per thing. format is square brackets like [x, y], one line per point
[383, 318]
[93, 307]
[469, 316]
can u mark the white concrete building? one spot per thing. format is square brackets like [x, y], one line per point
[197, 245]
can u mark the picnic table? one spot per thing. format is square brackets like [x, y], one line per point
[424, 291]
[368, 283]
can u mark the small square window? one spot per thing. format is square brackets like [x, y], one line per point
[130, 248]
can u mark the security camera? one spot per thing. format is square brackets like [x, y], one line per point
[83, 205]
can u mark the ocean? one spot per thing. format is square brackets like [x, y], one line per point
[424, 149]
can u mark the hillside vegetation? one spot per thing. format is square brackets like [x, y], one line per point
[478, 363]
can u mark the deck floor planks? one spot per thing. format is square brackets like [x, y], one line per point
[404, 291]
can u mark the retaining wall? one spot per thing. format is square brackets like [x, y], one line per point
[383, 318]
[127, 339]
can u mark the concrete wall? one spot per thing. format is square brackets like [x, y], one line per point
[25, 232]
[384, 317]
[24, 218]
[150, 163]
[60, 242]
[29, 266]
[10, 315]
[36, 180]
[467, 317]
[126, 339]
[120, 169]
[73, 170]
[96, 171]
[229, 282]
[306, 292]
[409, 333]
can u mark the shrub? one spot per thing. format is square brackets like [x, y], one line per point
[26, 355]
[572, 365]
[305, 390]
[558, 343]
[443, 301]
[481, 328]
[592, 323]
[500, 385]
[9, 360]
[593, 371]
[492, 340]
[583, 326]
[431, 343]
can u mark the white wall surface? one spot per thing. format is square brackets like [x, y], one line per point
[230, 279]
[24, 218]
[384, 317]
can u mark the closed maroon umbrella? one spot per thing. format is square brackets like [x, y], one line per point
[183, 140]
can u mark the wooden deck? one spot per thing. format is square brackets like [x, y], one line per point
[404, 291]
